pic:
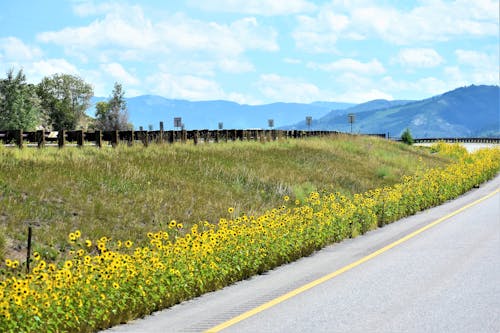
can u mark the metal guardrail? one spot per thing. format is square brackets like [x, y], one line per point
[458, 140]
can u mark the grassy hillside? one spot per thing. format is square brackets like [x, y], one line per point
[464, 112]
[124, 192]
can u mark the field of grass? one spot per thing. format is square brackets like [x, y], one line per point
[124, 192]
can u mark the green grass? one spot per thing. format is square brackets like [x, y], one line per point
[127, 191]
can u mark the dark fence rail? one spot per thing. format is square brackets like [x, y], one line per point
[80, 138]
[458, 140]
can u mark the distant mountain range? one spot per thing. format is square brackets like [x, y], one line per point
[150, 110]
[464, 112]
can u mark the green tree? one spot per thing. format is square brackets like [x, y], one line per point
[113, 115]
[101, 115]
[406, 137]
[19, 103]
[64, 99]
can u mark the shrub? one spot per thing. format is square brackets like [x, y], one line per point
[406, 137]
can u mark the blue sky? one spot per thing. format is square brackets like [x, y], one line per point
[256, 51]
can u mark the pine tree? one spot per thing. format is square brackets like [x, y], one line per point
[406, 137]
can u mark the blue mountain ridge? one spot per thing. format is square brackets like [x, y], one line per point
[151, 109]
[465, 111]
[472, 111]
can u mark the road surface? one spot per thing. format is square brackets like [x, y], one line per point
[471, 147]
[442, 279]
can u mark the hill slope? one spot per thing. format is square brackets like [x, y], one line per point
[180, 182]
[464, 112]
[331, 120]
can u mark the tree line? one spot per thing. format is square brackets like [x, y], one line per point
[58, 102]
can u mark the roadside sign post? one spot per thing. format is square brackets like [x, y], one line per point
[270, 123]
[351, 118]
[309, 122]
[177, 122]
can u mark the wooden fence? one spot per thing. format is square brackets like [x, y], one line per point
[80, 138]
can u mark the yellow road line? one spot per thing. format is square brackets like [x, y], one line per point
[329, 276]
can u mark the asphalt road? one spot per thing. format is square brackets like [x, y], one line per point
[444, 279]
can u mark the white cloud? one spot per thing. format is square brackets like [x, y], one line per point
[126, 28]
[191, 87]
[455, 75]
[117, 72]
[419, 58]
[361, 96]
[254, 36]
[292, 61]
[373, 67]
[235, 66]
[129, 29]
[188, 87]
[89, 8]
[14, 49]
[423, 87]
[37, 70]
[279, 88]
[431, 20]
[54, 66]
[479, 67]
[320, 33]
[475, 58]
[256, 7]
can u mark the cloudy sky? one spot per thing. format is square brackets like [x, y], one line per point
[257, 51]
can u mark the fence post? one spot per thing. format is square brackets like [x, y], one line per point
[79, 138]
[98, 139]
[262, 136]
[184, 136]
[115, 138]
[161, 132]
[130, 137]
[61, 138]
[195, 137]
[18, 137]
[40, 138]
[145, 138]
[28, 252]
[217, 136]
